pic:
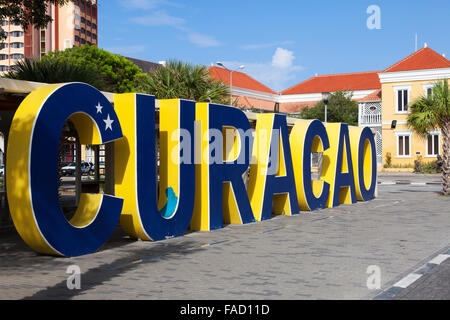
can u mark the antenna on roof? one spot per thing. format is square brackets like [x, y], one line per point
[425, 45]
[416, 42]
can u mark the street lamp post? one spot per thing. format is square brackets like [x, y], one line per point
[231, 78]
[325, 99]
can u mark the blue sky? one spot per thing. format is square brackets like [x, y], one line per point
[281, 43]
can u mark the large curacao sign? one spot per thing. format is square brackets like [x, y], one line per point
[206, 151]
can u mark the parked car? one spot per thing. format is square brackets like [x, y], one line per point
[2, 171]
[69, 170]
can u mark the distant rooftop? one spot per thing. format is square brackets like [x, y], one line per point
[240, 80]
[146, 66]
[422, 59]
[337, 82]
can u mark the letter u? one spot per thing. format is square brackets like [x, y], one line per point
[136, 166]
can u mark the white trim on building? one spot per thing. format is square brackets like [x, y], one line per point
[414, 75]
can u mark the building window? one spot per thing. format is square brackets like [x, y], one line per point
[403, 144]
[402, 100]
[432, 144]
[3, 56]
[16, 45]
[4, 68]
[17, 56]
[68, 44]
[16, 34]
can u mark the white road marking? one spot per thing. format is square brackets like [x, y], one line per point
[408, 280]
[439, 259]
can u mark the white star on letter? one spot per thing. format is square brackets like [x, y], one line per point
[99, 108]
[109, 123]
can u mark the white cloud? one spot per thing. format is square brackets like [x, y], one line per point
[283, 58]
[159, 18]
[141, 4]
[203, 40]
[275, 74]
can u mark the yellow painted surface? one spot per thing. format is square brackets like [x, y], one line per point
[125, 166]
[389, 111]
[259, 168]
[330, 165]
[17, 174]
[200, 217]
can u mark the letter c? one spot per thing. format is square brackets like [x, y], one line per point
[32, 170]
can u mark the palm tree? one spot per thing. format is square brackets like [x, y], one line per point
[432, 112]
[54, 71]
[185, 81]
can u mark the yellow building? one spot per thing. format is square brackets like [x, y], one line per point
[402, 84]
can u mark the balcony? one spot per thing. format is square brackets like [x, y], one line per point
[370, 119]
[370, 114]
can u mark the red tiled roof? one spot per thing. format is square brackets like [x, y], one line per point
[296, 107]
[375, 96]
[424, 58]
[240, 80]
[337, 82]
[248, 102]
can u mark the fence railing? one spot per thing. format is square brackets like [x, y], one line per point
[370, 119]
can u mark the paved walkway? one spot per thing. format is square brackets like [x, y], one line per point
[321, 255]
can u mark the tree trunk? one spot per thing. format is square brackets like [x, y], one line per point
[446, 158]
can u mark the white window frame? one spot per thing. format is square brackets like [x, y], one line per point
[401, 88]
[399, 134]
[427, 86]
[433, 133]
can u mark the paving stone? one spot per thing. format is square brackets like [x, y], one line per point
[308, 256]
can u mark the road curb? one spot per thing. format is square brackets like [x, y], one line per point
[408, 280]
[389, 183]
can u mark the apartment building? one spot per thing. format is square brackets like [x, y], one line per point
[74, 24]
